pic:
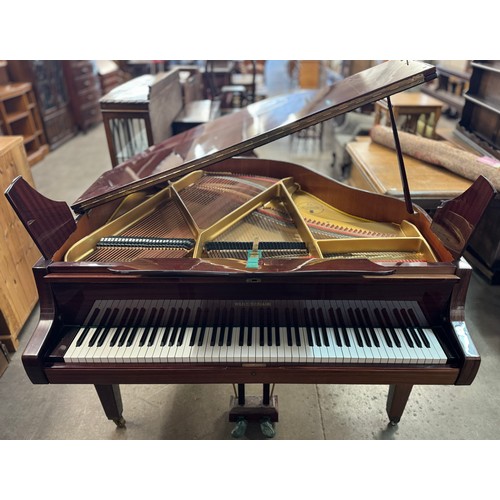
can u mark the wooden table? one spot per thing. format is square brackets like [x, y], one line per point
[375, 168]
[195, 113]
[411, 105]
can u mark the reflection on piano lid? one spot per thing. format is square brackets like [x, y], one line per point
[251, 127]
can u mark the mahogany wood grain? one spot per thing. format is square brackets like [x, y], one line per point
[48, 222]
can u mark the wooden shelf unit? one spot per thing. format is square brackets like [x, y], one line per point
[18, 253]
[480, 123]
[19, 116]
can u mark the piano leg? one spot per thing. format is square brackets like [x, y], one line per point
[111, 401]
[396, 401]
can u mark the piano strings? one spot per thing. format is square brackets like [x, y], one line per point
[218, 211]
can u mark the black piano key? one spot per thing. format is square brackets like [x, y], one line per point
[102, 324]
[158, 323]
[362, 327]
[185, 320]
[230, 326]
[136, 327]
[127, 329]
[421, 332]
[168, 326]
[322, 325]
[276, 327]
[123, 326]
[336, 332]
[148, 327]
[215, 326]
[106, 329]
[288, 322]
[413, 334]
[385, 333]
[295, 325]
[310, 339]
[415, 330]
[89, 325]
[196, 326]
[370, 328]
[176, 327]
[250, 339]
[204, 323]
[269, 327]
[354, 326]
[261, 327]
[242, 326]
[403, 328]
[223, 328]
[316, 328]
[388, 324]
[343, 327]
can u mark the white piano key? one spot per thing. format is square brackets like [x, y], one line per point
[392, 353]
[207, 351]
[439, 354]
[244, 349]
[334, 352]
[285, 351]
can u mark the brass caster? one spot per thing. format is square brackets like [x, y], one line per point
[267, 428]
[240, 428]
[120, 422]
[393, 423]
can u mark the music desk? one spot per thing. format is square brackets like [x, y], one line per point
[375, 168]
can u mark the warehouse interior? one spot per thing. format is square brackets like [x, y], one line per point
[443, 426]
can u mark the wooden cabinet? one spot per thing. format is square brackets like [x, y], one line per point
[84, 90]
[52, 95]
[479, 128]
[18, 253]
[311, 74]
[140, 113]
[19, 116]
[480, 122]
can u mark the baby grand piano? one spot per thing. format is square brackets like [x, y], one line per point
[191, 263]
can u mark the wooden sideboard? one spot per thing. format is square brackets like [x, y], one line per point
[18, 253]
[375, 168]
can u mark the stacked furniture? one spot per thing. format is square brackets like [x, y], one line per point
[84, 90]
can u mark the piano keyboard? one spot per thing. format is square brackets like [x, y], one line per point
[191, 331]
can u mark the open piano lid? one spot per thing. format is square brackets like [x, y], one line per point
[251, 127]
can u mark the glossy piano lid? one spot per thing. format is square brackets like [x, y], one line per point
[251, 127]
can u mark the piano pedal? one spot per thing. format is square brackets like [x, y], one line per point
[120, 422]
[254, 410]
[267, 428]
[240, 428]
